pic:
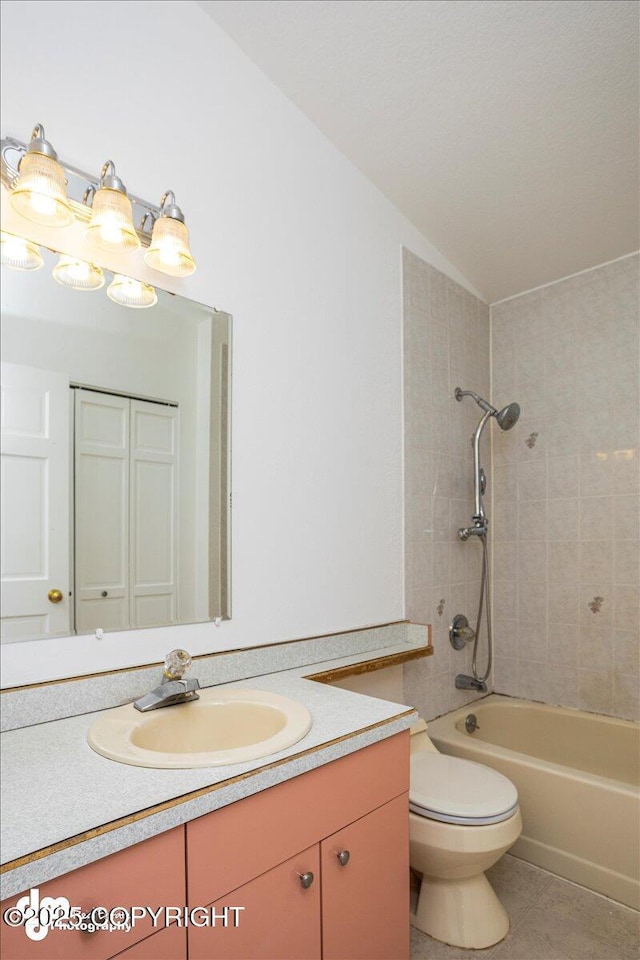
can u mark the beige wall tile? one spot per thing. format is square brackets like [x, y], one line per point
[563, 685]
[626, 609]
[596, 562]
[596, 518]
[626, 654]
[505, 676]
[595, 647]
[596, 465]
[532, 561]
[565, 509]
[570, 355]
[563, 647]
[626, 695]
[562, 477]
[446, 343]
[595, 690]
[563, 561]
[563, 519]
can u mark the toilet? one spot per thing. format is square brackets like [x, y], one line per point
[463, 817]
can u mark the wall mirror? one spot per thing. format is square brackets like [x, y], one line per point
[115, 460]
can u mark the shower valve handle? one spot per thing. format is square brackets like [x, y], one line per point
[460, 633]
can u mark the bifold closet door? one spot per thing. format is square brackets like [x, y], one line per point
[153, 526]
[101, 511]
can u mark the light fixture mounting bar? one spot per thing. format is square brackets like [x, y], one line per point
[78, 183]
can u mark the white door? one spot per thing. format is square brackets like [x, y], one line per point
[101, 511]
[35, 503]
[153, 547]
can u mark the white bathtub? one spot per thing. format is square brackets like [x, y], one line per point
[578, 777]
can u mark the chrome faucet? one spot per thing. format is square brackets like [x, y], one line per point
[174, 687]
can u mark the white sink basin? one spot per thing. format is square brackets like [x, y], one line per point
[223, 726]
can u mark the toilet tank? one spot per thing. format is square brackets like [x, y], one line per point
[386, 684]
[420, 738]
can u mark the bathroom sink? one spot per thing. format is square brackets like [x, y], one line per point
[224, 726]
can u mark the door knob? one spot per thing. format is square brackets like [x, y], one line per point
[55, 596]
[343, 856]
[306, 879]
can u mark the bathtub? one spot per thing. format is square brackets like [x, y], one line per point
[577, 776]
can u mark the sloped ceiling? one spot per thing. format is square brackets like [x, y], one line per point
[505, 130]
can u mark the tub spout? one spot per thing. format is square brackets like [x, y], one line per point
[463, 682]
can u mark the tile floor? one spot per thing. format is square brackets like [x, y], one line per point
[551, 919]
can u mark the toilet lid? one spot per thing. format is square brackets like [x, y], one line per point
[459, 791]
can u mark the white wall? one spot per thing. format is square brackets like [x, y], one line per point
[304, 252]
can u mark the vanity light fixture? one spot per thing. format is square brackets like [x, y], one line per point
[111, 227]
[169, 251]
[131, 293]
[51, 192]
[40, 191]
[78, 274]
[19, 254]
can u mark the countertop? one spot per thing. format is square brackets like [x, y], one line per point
[63, 805]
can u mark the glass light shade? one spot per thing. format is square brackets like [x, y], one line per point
[111, 227]
[40, 193]
[19, 254]
[78, 274]
[131, 293]
[169, 251]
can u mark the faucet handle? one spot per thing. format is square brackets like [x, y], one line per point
[460, 633]
[176, 664]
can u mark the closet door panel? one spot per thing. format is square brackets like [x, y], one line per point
[101, 511]
[153, 528]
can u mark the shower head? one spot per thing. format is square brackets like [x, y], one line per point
[508, 416]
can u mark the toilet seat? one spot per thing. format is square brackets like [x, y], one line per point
[453, 790]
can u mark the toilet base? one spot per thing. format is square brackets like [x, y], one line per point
[464, 913]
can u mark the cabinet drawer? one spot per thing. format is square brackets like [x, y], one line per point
[167, 944]
[228, 847]
[151, 873]
[281, 918]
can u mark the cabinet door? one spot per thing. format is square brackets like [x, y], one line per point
[151, 873]
[280, 919]
[365, 901]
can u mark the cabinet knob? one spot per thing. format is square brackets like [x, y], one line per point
[306, 879]
[55, 596]
[91, 916]
[343, 856]
[104, 594]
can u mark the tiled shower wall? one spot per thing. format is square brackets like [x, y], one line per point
[446, 344]
[567, 491]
